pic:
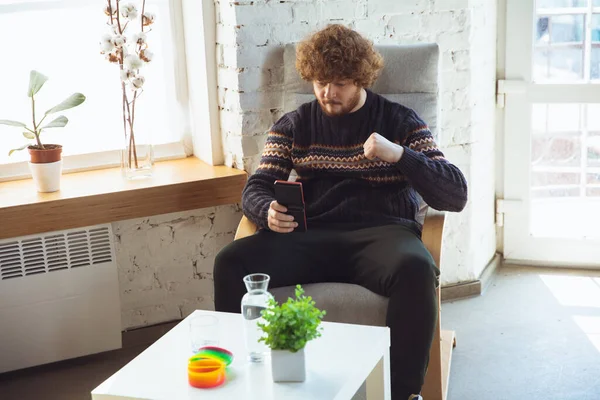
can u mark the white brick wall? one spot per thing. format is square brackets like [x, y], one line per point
[166, 262]
[387, 7]
[465, 32]
[483, 63]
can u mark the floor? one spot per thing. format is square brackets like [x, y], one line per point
[68, 380]
[534, 334]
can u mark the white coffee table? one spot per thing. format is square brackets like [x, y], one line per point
[336, 365]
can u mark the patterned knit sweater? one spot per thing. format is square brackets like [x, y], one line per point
[341, 186]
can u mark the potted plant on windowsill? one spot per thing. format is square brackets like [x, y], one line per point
[288, 328]
[46, 160]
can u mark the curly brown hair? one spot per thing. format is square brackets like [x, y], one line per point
[337, 53]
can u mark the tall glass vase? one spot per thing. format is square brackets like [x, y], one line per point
[253, 303]
[137, 155]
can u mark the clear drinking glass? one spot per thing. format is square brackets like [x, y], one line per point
[253, 303]
[204, 331]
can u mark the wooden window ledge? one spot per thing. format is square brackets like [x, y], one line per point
[102, 196]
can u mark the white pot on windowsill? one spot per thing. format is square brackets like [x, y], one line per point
[46, 176]
[287, 366]
[46, 167]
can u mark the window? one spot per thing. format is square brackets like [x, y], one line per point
[61, 39]
[565, 138]
[567, 41]
[565, 151]
[552, 132]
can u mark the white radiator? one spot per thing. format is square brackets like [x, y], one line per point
[59, 297]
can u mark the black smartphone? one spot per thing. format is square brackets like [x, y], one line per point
[290, 195]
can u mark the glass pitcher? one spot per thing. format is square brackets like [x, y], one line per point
[253, 303]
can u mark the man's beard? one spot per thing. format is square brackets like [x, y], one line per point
[341, 109]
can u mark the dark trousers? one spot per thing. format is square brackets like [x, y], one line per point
[388, 260]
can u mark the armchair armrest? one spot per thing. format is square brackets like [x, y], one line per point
[433, 228]
[245, 228]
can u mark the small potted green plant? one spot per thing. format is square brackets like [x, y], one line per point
[288, 327]
[46, 160]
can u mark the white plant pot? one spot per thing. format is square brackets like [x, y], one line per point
[287, 366]
[46, 176]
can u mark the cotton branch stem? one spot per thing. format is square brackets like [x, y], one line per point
[110, 11]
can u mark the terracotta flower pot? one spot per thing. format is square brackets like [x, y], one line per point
[49, 154]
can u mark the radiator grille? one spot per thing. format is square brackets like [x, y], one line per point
[55, 251]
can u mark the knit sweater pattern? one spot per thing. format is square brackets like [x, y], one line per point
[341, 186]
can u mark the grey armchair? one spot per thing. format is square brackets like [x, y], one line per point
[410, 77]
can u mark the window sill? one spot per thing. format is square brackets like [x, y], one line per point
[102, 196]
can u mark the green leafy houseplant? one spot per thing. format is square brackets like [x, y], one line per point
[292, 324]
[36, 81]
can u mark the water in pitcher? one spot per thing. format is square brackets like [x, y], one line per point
[252, 332]
[253, 303]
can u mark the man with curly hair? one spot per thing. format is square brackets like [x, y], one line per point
[362, 160]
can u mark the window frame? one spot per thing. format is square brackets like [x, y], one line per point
[587, 12]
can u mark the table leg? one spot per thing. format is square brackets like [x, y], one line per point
[387, 380]
[378, 383]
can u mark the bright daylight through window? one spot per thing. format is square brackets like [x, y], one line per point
[61, 39]
[565, 147]
[567, 45]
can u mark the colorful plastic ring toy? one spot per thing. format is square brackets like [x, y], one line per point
[206, 372]
[215, 353]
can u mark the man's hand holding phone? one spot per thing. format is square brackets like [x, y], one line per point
[287, 212]
[279, 221]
